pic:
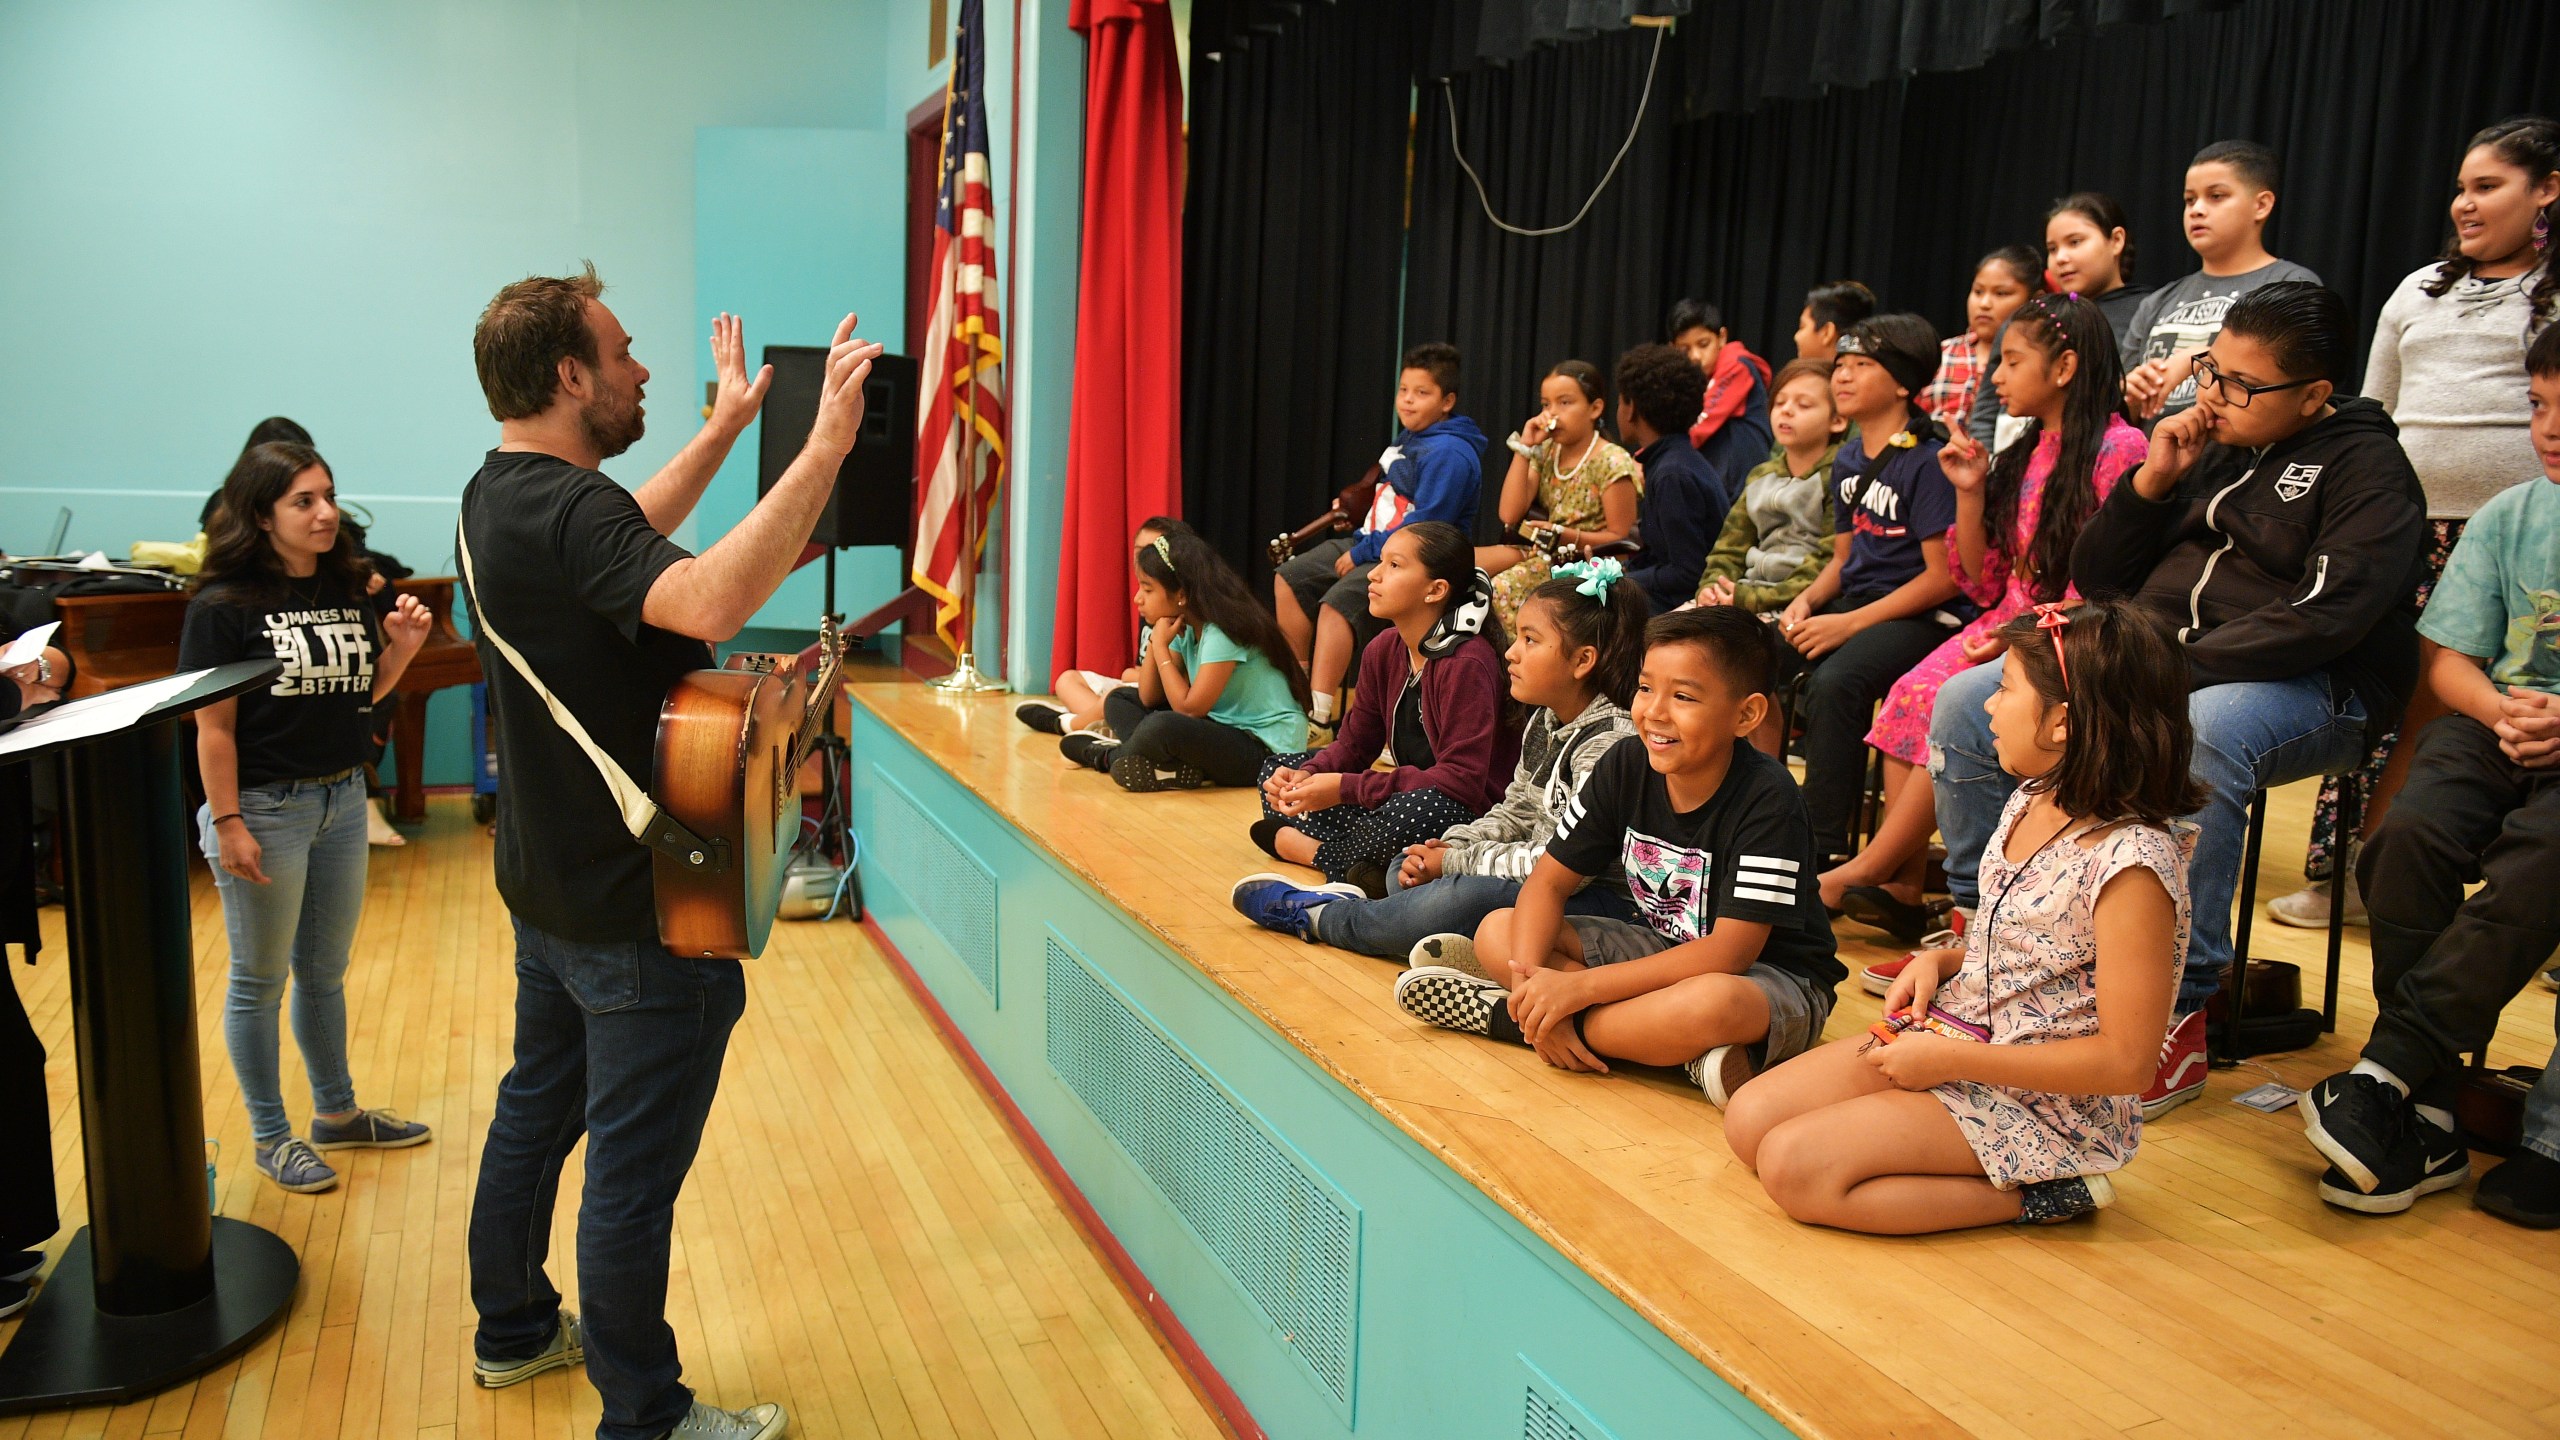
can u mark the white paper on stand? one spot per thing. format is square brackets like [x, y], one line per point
[25, 649]
[97, 715]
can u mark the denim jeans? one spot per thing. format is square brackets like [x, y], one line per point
[2542, 1111]
[620, 1042]
[2248, 737]
[299, 924]
[1452, 904]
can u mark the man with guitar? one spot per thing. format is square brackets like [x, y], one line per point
[585, 614]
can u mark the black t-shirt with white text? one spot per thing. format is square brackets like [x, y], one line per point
[565, 558]
[314, 719]
[1747, 853]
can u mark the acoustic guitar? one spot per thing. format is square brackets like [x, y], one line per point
[730, 746]
[1345, 512]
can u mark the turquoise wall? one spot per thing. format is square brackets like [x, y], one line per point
[210, 213]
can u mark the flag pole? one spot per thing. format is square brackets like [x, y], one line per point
[964, 678]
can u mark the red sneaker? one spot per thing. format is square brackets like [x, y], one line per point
[1879, 977]
[2182, 1069]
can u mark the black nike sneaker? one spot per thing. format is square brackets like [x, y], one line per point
[2358, 1123]
[2430, 1158]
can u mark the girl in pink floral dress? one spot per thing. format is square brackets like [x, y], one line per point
[2016, 519]
[2001, 1085]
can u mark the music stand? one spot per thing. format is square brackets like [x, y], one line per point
[154, 1288]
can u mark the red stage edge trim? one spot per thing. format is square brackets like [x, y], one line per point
[1133, 1281]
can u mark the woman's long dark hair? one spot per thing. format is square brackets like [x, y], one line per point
[1214, 594]
[241, 556]
[2530, 143]
[2054, 324]
[2131, 745]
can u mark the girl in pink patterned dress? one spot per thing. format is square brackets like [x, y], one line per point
[2016, 519]
[2001, 1085]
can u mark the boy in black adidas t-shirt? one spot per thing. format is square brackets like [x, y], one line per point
[1734, 967]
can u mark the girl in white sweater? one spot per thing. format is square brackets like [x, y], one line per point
[2448, 363]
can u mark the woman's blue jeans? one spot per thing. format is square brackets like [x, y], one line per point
[299, 925]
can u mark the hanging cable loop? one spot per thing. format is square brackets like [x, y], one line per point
[1450, 96]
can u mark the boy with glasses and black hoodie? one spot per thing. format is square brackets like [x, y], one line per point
[2277, 529]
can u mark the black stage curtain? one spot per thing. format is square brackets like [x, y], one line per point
[1904, 184]
[1744, 52]
[1540, 134]
[1293, 242]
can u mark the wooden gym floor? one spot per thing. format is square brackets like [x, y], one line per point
[862, 1239]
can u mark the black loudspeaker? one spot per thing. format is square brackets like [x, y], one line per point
[874, 499]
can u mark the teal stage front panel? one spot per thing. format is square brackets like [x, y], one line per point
[1342, 1279]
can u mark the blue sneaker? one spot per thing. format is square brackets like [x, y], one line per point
[366, 1130]
[1276, 902]
[292, 1166]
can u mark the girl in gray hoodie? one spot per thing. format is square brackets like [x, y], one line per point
[1574, 662]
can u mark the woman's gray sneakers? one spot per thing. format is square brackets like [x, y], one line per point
[566, 1349]
[366, 1130]
[290, 1165]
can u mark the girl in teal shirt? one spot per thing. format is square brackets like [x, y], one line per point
[1217, 689]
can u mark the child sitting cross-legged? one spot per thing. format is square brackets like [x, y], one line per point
[1217, 692]
[1080, 692]
[2001, 1086]
[1431, 705]
[1733, 967]
[1573, 662]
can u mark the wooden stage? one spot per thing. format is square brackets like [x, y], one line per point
[1585, 1251]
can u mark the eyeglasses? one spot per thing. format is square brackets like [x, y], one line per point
[2238, 393]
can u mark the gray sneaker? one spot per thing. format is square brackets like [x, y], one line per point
[366, 1130]
[291, 1166]
[756, 1422]
[567, 1348]
[1457, 952]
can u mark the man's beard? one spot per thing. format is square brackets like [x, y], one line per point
[613, 423]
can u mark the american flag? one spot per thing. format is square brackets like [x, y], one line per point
[962, 367]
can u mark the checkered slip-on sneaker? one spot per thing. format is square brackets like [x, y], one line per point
[1450, 999]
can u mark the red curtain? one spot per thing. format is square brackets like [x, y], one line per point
[1124, 431]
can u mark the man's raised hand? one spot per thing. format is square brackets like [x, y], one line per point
[839, 419]
[735, 400]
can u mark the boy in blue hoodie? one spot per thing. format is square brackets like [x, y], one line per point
[1433, 471]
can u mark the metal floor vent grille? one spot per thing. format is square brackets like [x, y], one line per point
[1551, 1414]
[953, 892]
[1287, 1236]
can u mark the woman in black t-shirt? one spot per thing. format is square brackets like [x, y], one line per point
[284, 819]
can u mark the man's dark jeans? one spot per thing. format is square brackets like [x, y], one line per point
[622, 1043]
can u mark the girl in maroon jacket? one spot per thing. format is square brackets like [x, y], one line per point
[1431, 698]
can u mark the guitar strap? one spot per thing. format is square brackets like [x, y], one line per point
[642, 816]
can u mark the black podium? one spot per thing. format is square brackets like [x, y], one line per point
[154, 1289]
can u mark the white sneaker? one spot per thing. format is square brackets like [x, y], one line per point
[756, 1422]
[1720, 1072]
[2308, 907]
